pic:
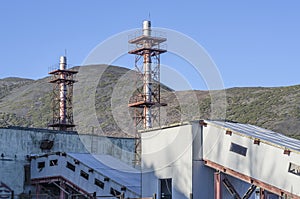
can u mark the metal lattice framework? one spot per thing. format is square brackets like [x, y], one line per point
[147, 48]
[62, 78]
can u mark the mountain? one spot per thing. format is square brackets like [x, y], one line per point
[8, 84]
[102, 93]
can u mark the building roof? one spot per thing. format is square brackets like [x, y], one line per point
[262, 134]
[113, 168]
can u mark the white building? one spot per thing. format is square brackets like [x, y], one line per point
[213, 159]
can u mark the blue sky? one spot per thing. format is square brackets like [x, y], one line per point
[253, 43]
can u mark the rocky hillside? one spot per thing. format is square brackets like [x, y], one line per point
[102, 93]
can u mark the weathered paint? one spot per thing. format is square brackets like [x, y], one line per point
[264, 162]
[17, 143]
[167, 153]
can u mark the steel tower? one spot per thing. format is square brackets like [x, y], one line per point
[62, 80]
[147, 47]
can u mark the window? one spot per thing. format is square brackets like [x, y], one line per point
[166, 188]
[238, 149]
[114, 192]
[99, 183]
[41, 165]
[53, 162]
[84, 174]
[70, 166]
[27, 175]
[294, 169]
[106, 179]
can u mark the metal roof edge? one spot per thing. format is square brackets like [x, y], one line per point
[166, 126]
[210, 122]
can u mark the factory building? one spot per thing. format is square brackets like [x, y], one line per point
[202, 159]
[199, 159]
[84, 175]
[18, 145]
[217, 159]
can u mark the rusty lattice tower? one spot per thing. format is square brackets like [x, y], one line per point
[62, 80]
[147, 47]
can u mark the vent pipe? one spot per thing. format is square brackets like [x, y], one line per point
[63, 91]
[147, 28]
[147, 76]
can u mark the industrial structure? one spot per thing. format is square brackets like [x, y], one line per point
[220, 160]
[147, 48]
[83, 175]
[62, 80]
[22, 147]
[198, 159]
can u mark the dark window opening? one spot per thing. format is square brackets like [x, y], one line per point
[166, 188]
[238, 149]
[99, 183]
[76, 161]
[294, 169]
[53, 163]
[27, 175]
[114, 192]
[70, 166]
[41, 165]
[106, 179]
[84, 174]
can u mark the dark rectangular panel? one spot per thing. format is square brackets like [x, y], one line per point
[238, 149]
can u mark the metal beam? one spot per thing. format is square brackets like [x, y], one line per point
[249, 192]
[250, 180]
[62, 180]
[62, 190]
[231, 189]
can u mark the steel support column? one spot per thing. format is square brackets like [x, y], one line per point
[37, 190]
[261, 193]
[62, 192]
[217, 185]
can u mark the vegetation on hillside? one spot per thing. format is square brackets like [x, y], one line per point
[27, 103]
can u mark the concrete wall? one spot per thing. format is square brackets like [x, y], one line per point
[21, 142]
[120, 148]
[263, 162]
[12, 174]
[17, 143]
[167, 153]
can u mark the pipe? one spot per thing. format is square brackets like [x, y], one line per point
[147, 28]
[62, 91]
[147, 77]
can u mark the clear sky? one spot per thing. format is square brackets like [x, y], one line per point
[253, 43]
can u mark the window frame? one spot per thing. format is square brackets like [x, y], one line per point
[238, 149]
